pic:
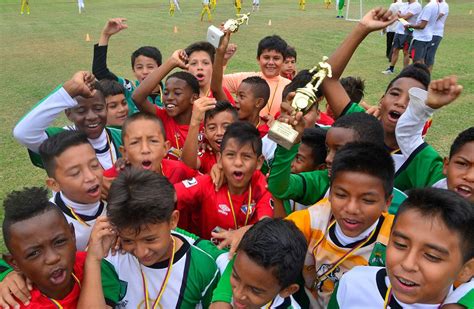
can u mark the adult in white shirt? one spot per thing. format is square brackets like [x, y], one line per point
[390, 30]
[423, 31]
[402, 38]
[438, 33]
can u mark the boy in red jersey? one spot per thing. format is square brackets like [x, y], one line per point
[243, 200]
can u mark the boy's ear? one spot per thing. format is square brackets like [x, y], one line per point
[68, 114]
[388, 202]
[260, 103]
[194, 97]
[260, 161]
[167, 145]
[174, 219]
[445, 166]
[52, 184]
[123, 151]
[292, 289]
[467, 271]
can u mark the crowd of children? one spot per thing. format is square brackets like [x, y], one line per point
[167, 191]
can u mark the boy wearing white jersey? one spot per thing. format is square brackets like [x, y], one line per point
[438, 32]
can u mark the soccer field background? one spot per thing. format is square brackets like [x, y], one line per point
[43, 49]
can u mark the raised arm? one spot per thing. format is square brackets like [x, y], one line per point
[140, 95]
[218, 68]
[99, 62]
[190, 148]
[31, 129]
[374, 20]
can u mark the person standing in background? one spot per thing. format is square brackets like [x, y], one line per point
[438, 33]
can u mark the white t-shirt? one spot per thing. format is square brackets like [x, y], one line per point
[429, 14]
[414, 8]
[395, 8]
[438, 29]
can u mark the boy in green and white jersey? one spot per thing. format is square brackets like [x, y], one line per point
[161, 267]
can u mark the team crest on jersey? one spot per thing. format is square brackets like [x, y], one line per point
[328, 281]
[188, 183]
[243, 208]
[128, 85]
[223, 209]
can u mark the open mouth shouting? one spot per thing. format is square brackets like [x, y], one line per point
[57, 276]
[393, 116]
[238, 175]
[463, 190]
[146, 164]
[94, 191]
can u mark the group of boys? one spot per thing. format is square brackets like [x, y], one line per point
[160, 195]
[418, 32]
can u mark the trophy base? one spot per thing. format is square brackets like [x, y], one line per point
[214, 35]
[282, 134]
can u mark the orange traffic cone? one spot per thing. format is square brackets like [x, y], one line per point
[175, 30]
[269, 22]
[88, 38]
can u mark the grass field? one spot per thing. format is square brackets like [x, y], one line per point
[42, 50]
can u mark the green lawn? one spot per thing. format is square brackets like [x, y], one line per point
[42, 50]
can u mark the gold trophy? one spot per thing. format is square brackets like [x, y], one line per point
[282, 133]
[215, 34]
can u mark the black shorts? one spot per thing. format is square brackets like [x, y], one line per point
[418, 50]
[430, 54]
[399, 40]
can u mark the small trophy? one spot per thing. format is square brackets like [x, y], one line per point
[283, 134]
[215, 34]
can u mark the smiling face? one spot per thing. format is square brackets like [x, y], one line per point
[43, 248]
[90, 115]
[253, 286]
[304, 160]
[153, 243]
[143, 66]
[395, 101]
[144, 145]
[459, 171]
[117, 109]
[238, 162]
[246, 104]
[200, 65]
[335, 139]
[215, 128]
[357, 201]
[78, 174]
[270, 62]
[178, 97]
[423, 258]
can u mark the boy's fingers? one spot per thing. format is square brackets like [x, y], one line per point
[8, 300]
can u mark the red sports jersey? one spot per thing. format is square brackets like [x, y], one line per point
[208, 159]
[175, 133]
[40, 301]
[263, 129]
[325, 119]
[212, 209]
[175, 171]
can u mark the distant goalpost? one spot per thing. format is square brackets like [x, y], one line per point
[349, 17]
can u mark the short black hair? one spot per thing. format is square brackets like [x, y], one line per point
[277, 245]
[365, 158]
[315, 138]
[300, 80]
[272, 42]
[23, 205]
[462, 139]
[139, 197]
[290, 52]
[111, 87]
[354, 87]
[416, 71]
[201, 46]
[259, 87]
[244, 133]
[56, 144]
[221, 106]
[142, 116]
[189, 78]
[367, 128]
[454, 210]
[147, 51]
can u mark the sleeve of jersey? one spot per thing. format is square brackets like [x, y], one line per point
[232, 81]
[5, 269]
[31, 129]
[264, 206]
[114, 289]
[304, 188]
[352, 107]
[302, 220]
[410, 125]
[99, 64]
[189, 193]
[223, 291]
